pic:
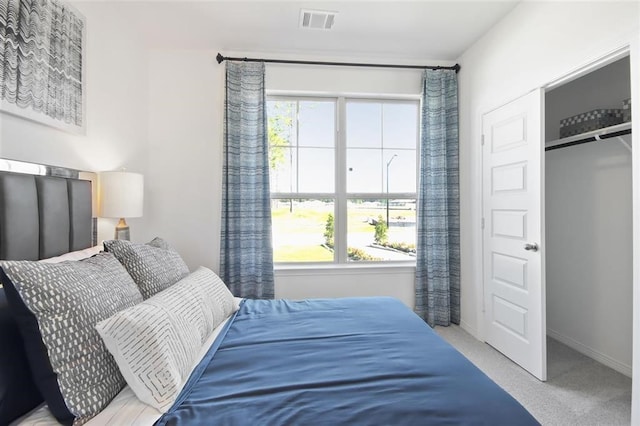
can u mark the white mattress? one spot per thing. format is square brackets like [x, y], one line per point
[125, 409]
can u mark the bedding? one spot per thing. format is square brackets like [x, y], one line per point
[337, 362]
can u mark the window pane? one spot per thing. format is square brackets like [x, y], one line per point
[282, 141]
[316, 172]
[302, 146]
[368, 237]
[302, 230]
[364, 171]
[283, 164]
[317, 123]
[397, 124]
[400, 125]
[281, 122]
[401, 168]
[364, 125]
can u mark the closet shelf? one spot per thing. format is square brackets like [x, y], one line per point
[595, 135]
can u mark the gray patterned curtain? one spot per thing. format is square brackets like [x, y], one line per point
[438, 248]
[246, 255]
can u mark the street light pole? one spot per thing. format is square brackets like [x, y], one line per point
[388, 164]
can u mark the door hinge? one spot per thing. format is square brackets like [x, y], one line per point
[482, 140]
[482, 223]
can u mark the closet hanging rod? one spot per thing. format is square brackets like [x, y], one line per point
[591, 138]
[455, 67]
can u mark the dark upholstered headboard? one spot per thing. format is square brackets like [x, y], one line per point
[46, 214]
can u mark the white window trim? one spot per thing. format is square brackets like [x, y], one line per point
[341, 196]
[303, 269]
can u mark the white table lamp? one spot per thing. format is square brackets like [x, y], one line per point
[121, 196]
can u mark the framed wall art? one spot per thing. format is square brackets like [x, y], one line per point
[41, 62]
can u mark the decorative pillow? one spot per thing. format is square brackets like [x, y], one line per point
[154, 266]
[56, 307]
[18, 392]
[155, 343]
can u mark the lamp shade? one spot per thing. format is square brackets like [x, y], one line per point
[121, 194]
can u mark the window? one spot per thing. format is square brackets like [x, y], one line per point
[343, 196]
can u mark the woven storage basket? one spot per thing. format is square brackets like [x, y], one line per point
[626, 110]
[588, 121]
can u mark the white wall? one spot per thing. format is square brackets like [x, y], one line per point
[115, 110]
[348, 282]
[186, 95]
[343, 80]
[589, 255]
[535, 44]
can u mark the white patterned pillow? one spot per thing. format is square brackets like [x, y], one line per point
[156, 342]
[154, 266]
[57, 307]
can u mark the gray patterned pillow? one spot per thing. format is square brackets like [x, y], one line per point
[57, 307]
[154, 266]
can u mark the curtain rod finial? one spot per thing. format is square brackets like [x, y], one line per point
[456, 68]
[219, 58]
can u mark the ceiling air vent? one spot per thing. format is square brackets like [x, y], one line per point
[317, 19]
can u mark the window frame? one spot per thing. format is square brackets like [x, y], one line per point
[341, 196]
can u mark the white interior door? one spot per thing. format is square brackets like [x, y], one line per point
[513, 232]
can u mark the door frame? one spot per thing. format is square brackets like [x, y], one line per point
[631, 49]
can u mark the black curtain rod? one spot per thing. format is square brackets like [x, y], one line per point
[221, 58]
[590, 139]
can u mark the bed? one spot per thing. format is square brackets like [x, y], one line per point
[201, 355]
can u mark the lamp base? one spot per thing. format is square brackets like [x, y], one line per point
[122, 230]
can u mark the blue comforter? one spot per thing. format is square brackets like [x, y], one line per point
[359, 361]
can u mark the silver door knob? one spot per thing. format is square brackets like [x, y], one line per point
[531, 247]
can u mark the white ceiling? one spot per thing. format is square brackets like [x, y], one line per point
[418, 30]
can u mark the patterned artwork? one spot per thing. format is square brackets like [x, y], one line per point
[41, 62]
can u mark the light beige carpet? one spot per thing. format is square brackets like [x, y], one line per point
[579, 390]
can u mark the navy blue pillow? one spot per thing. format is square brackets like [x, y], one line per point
[18, 392]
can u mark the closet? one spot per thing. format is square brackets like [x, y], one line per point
[588, 220]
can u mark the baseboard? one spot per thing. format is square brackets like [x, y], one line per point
[469, 329]
[591, 353]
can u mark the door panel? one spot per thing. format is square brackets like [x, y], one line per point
[510, 270]
[512, 212]
[509, 223]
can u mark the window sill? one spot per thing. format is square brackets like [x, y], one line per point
[344, 269]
